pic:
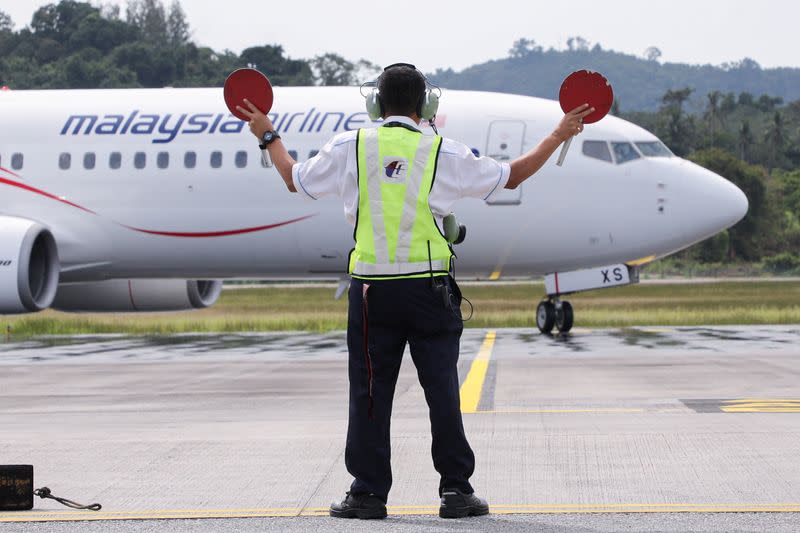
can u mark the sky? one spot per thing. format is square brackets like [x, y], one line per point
[460, 33]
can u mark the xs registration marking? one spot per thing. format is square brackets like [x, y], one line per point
[591, 278]
[615, 273]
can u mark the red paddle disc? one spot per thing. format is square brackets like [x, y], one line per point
[251, 84]
[586, 87]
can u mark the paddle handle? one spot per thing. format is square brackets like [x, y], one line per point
[564, 149]
[266, 159]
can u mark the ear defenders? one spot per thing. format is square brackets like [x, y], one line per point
[427, 105]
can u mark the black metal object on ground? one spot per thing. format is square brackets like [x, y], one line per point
[16, 487]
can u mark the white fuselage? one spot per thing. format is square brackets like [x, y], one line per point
[205, 222]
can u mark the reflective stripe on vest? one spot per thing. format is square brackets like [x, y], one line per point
[395, 225]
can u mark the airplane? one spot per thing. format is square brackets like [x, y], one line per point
[145, 199]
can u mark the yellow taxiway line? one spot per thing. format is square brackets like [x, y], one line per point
[557, 411]
[473, 386]
[420, 510]
[761, 405]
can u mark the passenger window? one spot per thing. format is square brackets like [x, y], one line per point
[241, 159]
[190, 159]
[216, 159]
[64, 161]
[139, 160]
[312, 153]
[16, 161]
[89, 160]
[162, 160]
[597, 150]
[115, 160]
[624, 152]
[653, 149]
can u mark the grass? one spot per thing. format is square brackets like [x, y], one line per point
[272, 308]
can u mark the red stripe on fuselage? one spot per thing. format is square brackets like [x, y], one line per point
[43, 193]
[224, 233]
[10, 172]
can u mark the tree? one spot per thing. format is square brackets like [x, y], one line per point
[6, 24]
[713, 114]
[775, 139]
[149, 16]
[523, 47]
[281, 70]
[333, 69]
[727, 106]
[97, 32]
[59, 21]
[676, 129]
[652, 54]
[366, 71]
[744, 237]
[178, 32]
[152, 67]
[675, 99]
[768, 103]
[746, 100]
[577, 44]
[746, 141]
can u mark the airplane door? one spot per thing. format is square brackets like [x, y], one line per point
[504, 144]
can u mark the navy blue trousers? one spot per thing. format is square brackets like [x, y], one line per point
[400, 312]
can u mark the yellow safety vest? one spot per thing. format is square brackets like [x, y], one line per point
[396, 234]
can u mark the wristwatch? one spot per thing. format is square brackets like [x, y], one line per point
[267, 138]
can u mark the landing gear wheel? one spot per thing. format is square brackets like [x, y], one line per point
[546, 317]
[564, 317]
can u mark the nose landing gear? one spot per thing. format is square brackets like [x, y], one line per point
[554, 313]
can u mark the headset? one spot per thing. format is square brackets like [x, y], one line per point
[427, 106]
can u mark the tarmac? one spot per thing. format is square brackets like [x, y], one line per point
[641, 429]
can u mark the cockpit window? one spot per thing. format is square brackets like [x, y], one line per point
[624, 152]
[653, 149]
[597, 150]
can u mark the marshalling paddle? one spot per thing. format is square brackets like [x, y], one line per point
[584, 87]
[252, 85]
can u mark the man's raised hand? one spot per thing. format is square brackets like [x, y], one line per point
[258, 121]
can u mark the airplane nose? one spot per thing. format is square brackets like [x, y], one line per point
[704, 203]
[729, 204]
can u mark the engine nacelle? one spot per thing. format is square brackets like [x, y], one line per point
[29, 267]
[123, 295]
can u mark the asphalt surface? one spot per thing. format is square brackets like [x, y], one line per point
[644, 429]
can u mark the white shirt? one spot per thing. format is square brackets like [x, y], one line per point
[459, 174]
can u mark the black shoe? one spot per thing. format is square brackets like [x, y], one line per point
[456, 504]
[363, 506]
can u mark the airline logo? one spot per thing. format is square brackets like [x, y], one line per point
[395, 168]
[164, 128]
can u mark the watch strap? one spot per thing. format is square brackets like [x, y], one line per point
[275, 135]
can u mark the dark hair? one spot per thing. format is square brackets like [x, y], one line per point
[401, 89]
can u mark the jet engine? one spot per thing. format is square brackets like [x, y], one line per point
[29, 267]
[124, 295]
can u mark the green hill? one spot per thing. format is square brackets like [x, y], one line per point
[639, 84]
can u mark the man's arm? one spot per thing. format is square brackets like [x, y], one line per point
[528, 164]
[259, 125]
